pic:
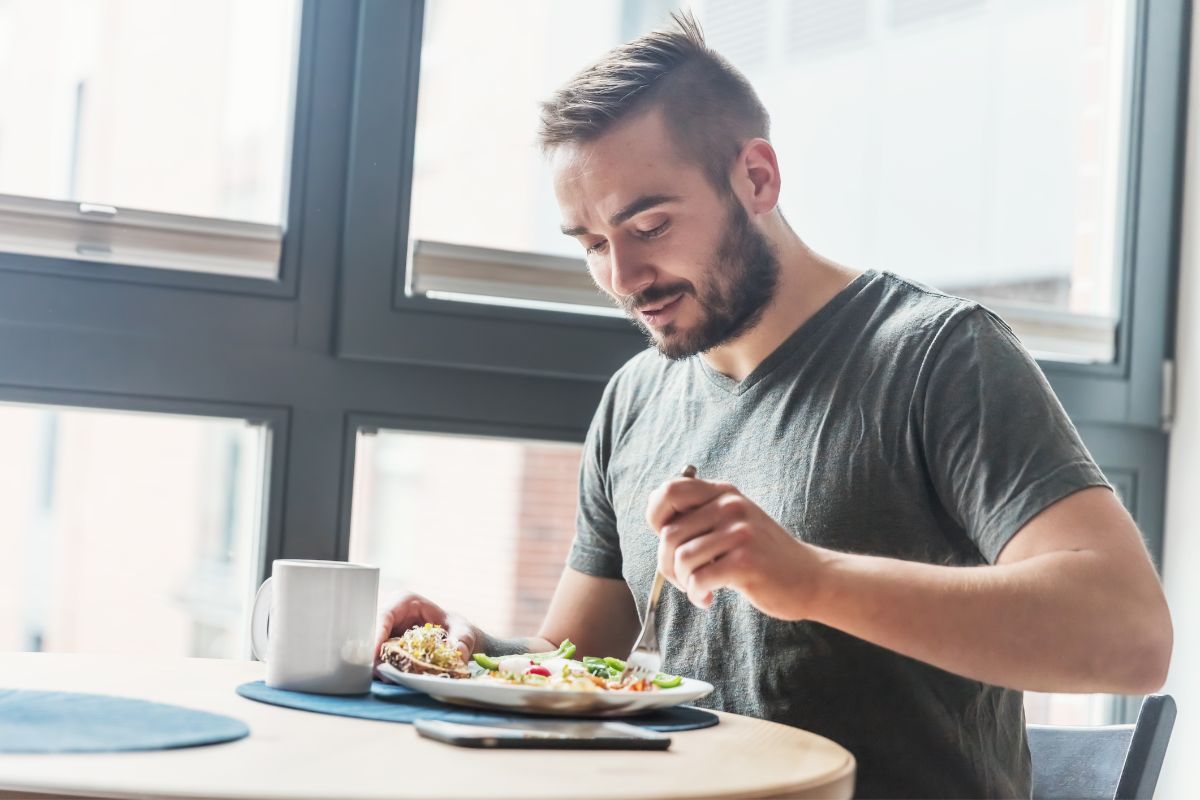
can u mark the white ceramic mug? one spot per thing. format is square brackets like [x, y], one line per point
[321, 616]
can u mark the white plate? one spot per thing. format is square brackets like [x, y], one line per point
[539, 700]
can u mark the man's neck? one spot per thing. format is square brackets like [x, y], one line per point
[807, 281]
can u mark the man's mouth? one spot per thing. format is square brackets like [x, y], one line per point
[660, 313]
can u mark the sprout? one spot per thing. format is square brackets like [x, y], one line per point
[432, 645]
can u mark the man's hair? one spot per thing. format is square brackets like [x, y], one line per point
[710, 108]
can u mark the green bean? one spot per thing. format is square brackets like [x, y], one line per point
[486, 661]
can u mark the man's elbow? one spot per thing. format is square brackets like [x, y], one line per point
[1158, 659]
[1145, 655]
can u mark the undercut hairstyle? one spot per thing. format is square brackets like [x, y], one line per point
[710, 109]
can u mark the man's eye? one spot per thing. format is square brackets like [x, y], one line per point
[598, 247]
[659, 230]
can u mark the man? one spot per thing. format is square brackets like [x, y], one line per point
[895, 528]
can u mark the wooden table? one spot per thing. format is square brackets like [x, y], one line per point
[295, 754]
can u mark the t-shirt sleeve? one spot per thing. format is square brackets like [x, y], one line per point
[596, 549]
[999, 446]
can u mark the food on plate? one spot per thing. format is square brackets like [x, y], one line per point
[428, 650]
[425, 650]
[557, 670]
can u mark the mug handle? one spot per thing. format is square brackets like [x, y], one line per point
[260, 621]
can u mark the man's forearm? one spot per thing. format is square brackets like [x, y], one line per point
[1048, 623]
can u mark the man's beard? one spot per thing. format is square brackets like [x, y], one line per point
[737, 288]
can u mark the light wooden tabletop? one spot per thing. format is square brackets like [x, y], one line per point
[295, 754]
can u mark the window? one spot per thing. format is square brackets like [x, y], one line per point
[974, 145]
[128, 532]
[480, 525]
[147, 133]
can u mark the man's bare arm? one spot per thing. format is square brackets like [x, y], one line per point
[597, 614]
[1072, 604]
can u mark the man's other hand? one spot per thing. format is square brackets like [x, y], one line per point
[408, 610]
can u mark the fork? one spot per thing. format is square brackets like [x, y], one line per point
[645, 660]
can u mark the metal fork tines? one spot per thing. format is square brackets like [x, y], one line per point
[645, 660]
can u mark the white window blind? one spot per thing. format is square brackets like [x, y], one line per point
[443, 271]
[90, 232]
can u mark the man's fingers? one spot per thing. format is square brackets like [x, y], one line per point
[704, 549]
[680, 495]
[666, 564]
[724, 572]
[461, 631]
[402, 613]
[703, 600]
[702, 584]
[723, 510]
[408, 610]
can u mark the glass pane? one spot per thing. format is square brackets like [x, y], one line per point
[495, 559]
[128, 532]
[180, 107]
[973, 145]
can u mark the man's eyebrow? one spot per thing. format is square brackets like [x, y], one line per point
[636, 207]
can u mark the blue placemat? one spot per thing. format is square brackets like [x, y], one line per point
[69, 722]
[392, 703]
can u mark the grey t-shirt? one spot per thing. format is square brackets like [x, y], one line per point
[897, 421]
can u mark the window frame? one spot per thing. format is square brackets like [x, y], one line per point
[1130, 390]
[140, 339]
[284, 284]
[379, 321]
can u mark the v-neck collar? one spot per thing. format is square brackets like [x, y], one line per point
[791, 344]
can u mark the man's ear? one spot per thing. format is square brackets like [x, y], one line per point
[756, 176]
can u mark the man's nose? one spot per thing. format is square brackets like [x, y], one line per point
[628, 272]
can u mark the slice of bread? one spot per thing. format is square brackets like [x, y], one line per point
[394, 653]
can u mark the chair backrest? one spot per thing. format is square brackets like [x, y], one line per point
[1103, 762]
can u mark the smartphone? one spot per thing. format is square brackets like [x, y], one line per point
[545, 734]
